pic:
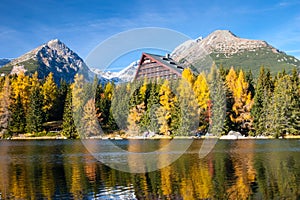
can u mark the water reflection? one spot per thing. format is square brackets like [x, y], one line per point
[250, 169]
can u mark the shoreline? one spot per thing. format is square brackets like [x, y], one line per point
[149, 138]
[38, 138]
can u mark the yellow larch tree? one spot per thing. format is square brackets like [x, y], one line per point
[137, 110]
[242, 100]
[143, 90]
[21, 87]
[5, 112]
[49, 92]
[231, 79]
[188, 75]
[201, 90]
[134, 117]
[108, 90]
[164, 113]
[34, 81]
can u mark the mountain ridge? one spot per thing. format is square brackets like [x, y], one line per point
[221, 47]
[125, 75]
[53, 56]
[227, 49]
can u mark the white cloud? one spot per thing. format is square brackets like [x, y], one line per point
[287, 3]
[293, 51]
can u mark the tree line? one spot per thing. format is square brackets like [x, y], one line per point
[214, 102]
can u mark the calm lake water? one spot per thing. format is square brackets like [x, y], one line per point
[64, 169]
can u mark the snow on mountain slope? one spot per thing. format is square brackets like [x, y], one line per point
[125, 75]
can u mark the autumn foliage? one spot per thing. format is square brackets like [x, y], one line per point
[215, 103]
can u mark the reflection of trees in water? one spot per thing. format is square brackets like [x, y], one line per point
[224, 171]
[243, 170]
[4, 173]
[278, 174]
[234, 170]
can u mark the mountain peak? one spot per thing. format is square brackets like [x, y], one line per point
[224, 41]
[223, 33]
[54, 42]
[224, 47]
[53, 56]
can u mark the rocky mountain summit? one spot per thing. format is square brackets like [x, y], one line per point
[55, 57]
[220, 41]
[225, 48]
[224, 41]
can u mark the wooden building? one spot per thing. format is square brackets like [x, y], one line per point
[155, 66]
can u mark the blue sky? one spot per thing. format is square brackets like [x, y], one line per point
[82, 25]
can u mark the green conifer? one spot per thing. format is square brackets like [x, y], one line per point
[68, 125]
[35, 115]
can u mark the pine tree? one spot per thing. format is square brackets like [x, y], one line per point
[149, 120]
[258, 98]
[98, 102]
[261, 99]
[144, 105]
[5, 112]
[294, 116]
[68, 127]
[18, 119]
[218, 102]
[89, 120]
[119, 106]
[80, 95]
[49, 92]
[188, 120]
[57, 110]
[278, 117]
[249, 80]
[103, 103]
[34, 117]
[223, 73]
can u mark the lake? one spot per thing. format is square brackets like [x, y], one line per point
[64, 169]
